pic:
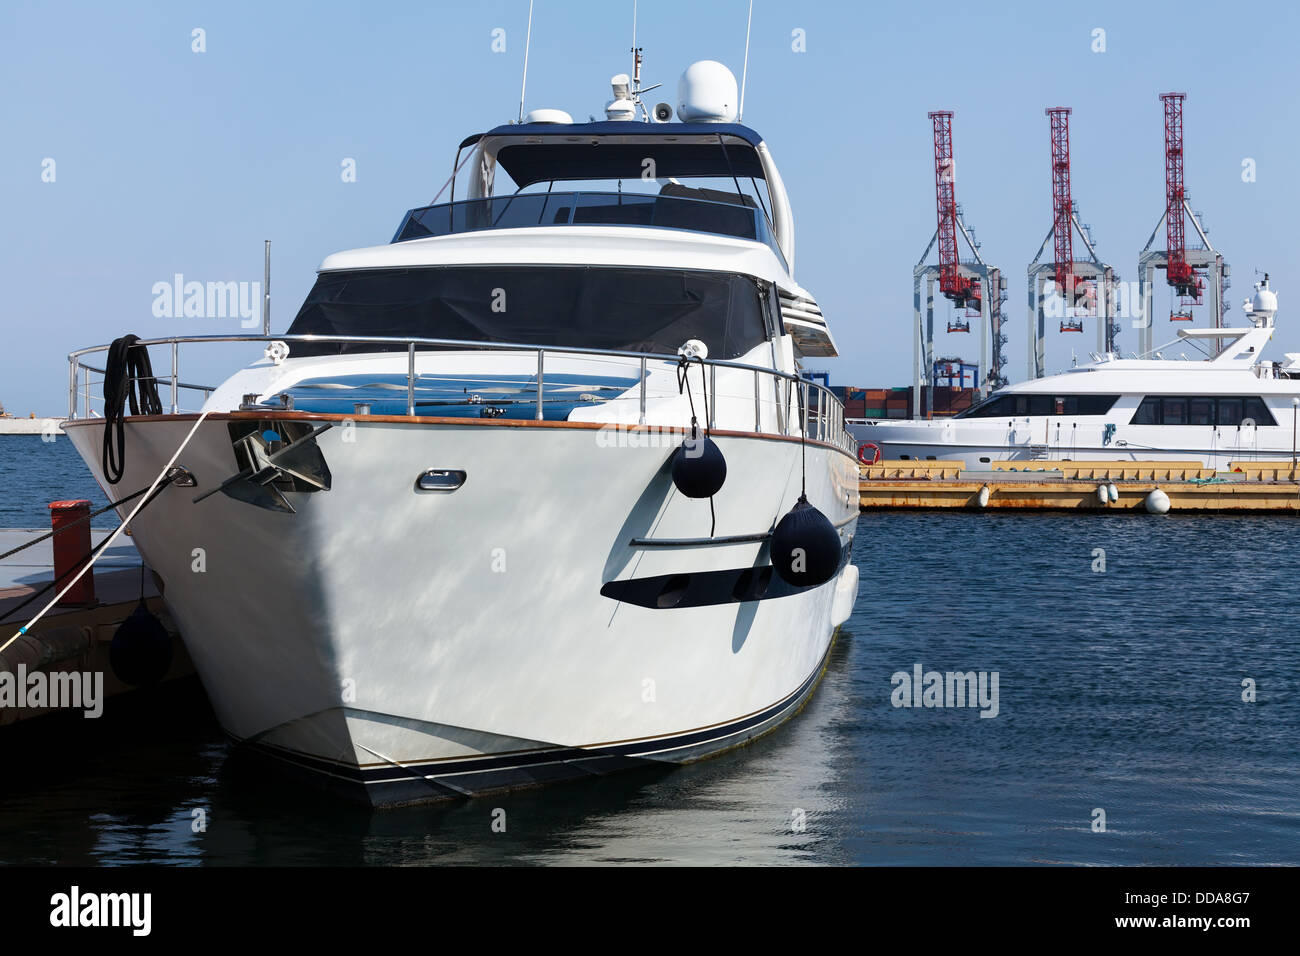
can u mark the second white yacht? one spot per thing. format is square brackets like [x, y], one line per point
[1228, 405]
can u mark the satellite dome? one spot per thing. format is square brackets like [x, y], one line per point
[707, 93]
[1264, 300]
[1262, 306]
[548, 116]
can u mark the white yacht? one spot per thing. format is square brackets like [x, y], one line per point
[1227, 404]
[512, 499]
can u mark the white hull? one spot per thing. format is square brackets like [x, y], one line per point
[1231, 406]
[419, 645]
[564, 609]
[977, 442]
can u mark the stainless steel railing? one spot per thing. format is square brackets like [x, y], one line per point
[801, 406]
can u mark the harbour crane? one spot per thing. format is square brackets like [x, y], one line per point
[1190, 273]
[973, 286]
[1086, 287]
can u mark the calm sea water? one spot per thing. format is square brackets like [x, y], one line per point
[1119, 690]
[34, 472]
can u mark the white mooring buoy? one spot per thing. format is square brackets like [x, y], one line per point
[1157, 502]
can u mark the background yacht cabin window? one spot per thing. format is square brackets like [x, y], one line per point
[1201, 411]
[1224, 411]
[1230, 410]
[596, 307]
[1019, 406]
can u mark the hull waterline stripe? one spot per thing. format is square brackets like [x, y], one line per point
[642, 748]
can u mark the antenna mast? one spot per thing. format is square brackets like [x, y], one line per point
[636, 59]
[744, 73]
[528, 41]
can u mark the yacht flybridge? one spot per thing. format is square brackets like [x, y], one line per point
[535, 490]
[1224, 405]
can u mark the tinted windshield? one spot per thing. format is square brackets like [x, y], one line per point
[596, 307]
[695, 210]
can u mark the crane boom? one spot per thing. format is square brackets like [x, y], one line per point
[1062, 205]
[1179, 273]
[960, 290]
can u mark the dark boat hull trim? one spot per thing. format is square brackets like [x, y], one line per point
[386, 785]
[709, 588]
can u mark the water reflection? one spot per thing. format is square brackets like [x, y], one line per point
[1119, 690]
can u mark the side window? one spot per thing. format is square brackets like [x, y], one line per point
[772, 313]
[1094, 404]
[990, 409]
[1017, 406]
[1256, 409]
[1173, 411]
[1230, 411]
[1148, 413]
[1200, 411]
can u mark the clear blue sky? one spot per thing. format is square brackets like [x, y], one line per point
[170, 161]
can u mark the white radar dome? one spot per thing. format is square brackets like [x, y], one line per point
[548, 116]
[1262, 306]
[707, 93]
[1264, 300]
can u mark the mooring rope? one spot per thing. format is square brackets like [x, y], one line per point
[94, 514]
[684, 384]
[128, 378]
[111, 538]
[55, 582]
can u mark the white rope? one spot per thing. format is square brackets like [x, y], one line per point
[111, 538]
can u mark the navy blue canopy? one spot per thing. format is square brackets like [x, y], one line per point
[617, 150]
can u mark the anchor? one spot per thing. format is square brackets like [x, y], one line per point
[298, 462]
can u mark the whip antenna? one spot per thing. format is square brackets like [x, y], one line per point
[528, 40]
[744, 73]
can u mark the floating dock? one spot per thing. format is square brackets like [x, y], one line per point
[1082, 486]
[73, 638]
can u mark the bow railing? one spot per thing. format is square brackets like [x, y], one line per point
[801, 406]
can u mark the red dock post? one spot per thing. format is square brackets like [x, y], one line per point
[71, 548]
